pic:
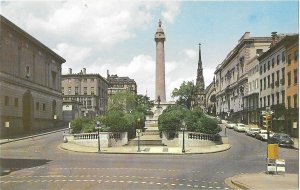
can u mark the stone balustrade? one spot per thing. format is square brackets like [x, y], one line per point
[202, 136]
[107, 139]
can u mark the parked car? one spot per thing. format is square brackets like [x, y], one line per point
[224, 121]
[282, 140]
[240, 127]
[252, 131]
[230, 125]
[263, 135]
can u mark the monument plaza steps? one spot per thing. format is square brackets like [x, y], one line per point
[150, 137]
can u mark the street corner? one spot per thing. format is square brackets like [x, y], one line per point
[76, 148]
[263, 181]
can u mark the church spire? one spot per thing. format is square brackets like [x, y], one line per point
[200, 61]
[200, 78]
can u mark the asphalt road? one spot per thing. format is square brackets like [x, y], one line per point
[38, 164]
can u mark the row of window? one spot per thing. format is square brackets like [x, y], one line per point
[84, 80]
[76, 92]
[270, 99]
[295, 57]
[267, 66]
[7, 102]
[16, 103]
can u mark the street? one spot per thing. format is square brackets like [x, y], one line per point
[37, 163]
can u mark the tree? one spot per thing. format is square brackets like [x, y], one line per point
[143, 103]
[171, 118]
[82, 125]
[124, 101]
[185, 94]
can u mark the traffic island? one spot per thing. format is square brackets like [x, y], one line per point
[144, 149]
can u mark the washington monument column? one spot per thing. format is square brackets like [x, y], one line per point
[160, 91]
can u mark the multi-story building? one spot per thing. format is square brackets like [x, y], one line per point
[90, 90]
[30, 75]
[274, 80]
[291, 86]
[251, 98]
[120, 84]
[231, 77]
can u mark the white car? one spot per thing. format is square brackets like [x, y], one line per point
[240, 127]
[252, 131]
[230, 125]
[263, 135]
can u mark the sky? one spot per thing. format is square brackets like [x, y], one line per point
[119, 35]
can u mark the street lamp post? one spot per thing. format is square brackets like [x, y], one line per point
[183, 128]
[139, 132]
[98, 128]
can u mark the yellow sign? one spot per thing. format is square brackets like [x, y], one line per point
[273, 151]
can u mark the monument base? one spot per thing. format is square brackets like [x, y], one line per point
[157, 110]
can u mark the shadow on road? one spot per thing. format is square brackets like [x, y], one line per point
[8, 165]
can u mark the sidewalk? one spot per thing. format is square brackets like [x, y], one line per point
[144, 149]
[31, 135]
[263, 181]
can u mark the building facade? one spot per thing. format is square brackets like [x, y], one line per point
[118, 84]
[251, 98]
[278, 90]
[30, 75]
[90, 90]
[231, 77]
[292, 86]
[210, 97]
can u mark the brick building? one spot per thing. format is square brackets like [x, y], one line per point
[30, 75]
[120, 84]
[90, 90]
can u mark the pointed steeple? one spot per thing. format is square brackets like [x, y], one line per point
[200, 78]
[200, 61]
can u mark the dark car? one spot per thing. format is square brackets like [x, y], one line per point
[282, 140]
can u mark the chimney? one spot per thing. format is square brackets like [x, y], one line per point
[84, 71]
[108, 73]
[274, 38]
[70, 71]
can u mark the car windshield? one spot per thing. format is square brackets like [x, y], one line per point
[284, 137]
[254, 129]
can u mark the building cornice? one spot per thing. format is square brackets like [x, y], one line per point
[285, 41]
[239, 46]
[18, 30]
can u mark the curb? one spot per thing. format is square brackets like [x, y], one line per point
[235, 185]
[142, 153]
[240, 185]
[31, 136]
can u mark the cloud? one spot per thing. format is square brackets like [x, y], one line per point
[74, 55]
[191, 54]
[172, 9]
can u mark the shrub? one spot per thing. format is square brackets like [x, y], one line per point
[81, 125]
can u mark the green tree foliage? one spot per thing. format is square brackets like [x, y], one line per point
[171, 118]
[196, 121]
[185, 94]
[82, 125]
[124, 101]
[143, 103]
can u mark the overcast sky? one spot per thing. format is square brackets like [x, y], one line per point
[119, 35]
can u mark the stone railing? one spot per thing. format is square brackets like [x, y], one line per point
[192, 139]
[85, 136]
[107, 139]
[201, 136]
